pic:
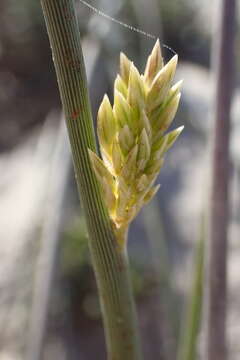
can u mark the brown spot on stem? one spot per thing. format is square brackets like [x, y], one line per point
[75, 114]
[71, 60]
[68, 12]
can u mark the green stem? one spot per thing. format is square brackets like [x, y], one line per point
[109, 259]
[192, 319]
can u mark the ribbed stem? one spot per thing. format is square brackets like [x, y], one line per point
[192, 319]
[219, 207]
[109, 259]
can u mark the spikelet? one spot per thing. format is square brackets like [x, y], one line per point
[132, 135]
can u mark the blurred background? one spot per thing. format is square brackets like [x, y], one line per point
[48, 299]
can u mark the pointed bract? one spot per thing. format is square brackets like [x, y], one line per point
[116, 157]
[136, 91]
[160, 147]
[167, 116]
[172, 136]
[154, 64]
[106, 124]
[142, 183]
[129, 167]
[125, 65]
[105, 179]
[144, 151]
[175, 89]
[151, 193]
[109, 197]
[120, 86]
[121, 110]
[126, 139]
[161, 84]
[154, 166]
[145, 123]
[100, 168]
[157, 112]
[123, 188]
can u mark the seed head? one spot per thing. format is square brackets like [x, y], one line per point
[132, 136]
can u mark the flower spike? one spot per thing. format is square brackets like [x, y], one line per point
[132, 135]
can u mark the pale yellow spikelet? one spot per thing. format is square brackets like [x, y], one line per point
[154, 166]
[121, 110]
[126, 139]
[116, 157]
[120, 86]
[151, 193]
[154, 64]
[172, 137]
[167, 116]
[132, 135]
[136, 89]
[142, 183]
[106, 125]
[156, 113]
[129, 167]
[125, 65]
[105, 178]
[159, 147]
[145, 124]
[144, 151]
[161, 84]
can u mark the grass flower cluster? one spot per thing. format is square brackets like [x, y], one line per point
[132, 136]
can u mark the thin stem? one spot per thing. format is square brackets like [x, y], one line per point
[192, 318]
[164, 312]
[109, 259]
[224, 58]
